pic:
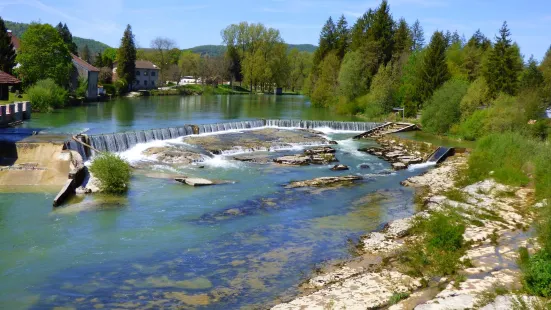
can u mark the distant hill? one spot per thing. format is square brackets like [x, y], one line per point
[218, 50]
[95, 46]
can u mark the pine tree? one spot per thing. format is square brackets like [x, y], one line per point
[7, 52]
[343, 37]
[479, 40]
[504, 64]
[382, 31]
[435, 69]
[360, 29]
[456, 39]
[402, 38]
[85, 53]
[67, 37]
[126, 56]
[327, 41]
[418, 36]
[532, 76]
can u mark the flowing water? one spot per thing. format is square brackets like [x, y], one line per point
[240, 245]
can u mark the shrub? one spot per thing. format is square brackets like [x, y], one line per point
[442, 110]
[82, 87]
[110, 89]
[507, 155]
[473, 127]
[46, 95]
[441, 246]
[537, 273]
[477, 96]
[105, 75]
[112, 171]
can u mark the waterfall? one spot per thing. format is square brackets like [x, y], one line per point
[345, 126]
[119, 142]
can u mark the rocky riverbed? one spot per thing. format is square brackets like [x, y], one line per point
[401, 152]
[498, 221]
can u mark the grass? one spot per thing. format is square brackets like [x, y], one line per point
[12, 98]
[397, 297]
[455, 194]
[438, 251]
[197, 89]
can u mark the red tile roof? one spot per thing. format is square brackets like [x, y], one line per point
[14, 41]
[84, 64]
[8, 79]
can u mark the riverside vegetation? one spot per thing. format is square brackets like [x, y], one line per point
[112, 172]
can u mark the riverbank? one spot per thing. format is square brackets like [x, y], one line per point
[496, 220]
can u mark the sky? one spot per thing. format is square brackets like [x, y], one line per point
[191, 22]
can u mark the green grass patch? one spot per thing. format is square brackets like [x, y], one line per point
[397, 297]
[13, 98]
[536, 270]
[456, 195]
[438, 251]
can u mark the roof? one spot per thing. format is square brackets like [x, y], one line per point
[14, 41]
[84, 64]
[8, 79]
[144, 64]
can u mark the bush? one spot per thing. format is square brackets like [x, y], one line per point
[82, 87]
[46, 95]
[441, 246]
[442, 110]
[477, 96]
[508, 155]
[505, 115]
[473, 127]
[112, 171]
[110, 89]
[537, 273]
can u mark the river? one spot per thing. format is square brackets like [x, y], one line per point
[247, 244]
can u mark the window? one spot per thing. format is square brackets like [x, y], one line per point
[145, 73]
[145, 83]
[137, 73]
[153, 83]
[152, 73]
[137, 82]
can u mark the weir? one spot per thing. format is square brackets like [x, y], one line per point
[122, 141]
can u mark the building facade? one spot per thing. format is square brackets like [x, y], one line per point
[147, 75]
[84, 70]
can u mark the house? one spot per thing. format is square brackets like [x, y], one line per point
[14, 40]
[82, 69]
[147, 75]
[189, 80]
[6, 80]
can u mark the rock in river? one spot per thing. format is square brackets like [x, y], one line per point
[324, 181]
[173, 155]
[200, 181]
[319, 150]
[323, 159]
[293, 160]
[340, 168]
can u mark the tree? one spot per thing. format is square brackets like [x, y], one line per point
[352, 76]
[126, 57]
[327, 41]
[382, 31]
[189, 64]
[380, 99]
[402, 39]
[323, 94]
[477, 96]
[109, 56]
[67, 37]
[442, 111]
[300, 64]
[43, 55]
[342, 37]
[7, 52]
[531, 77]
[418, 36]
[410, 93]
[504, 64]
[98, 62]
[435, 69]
[162, 46]
[85, 54]
[105, 75]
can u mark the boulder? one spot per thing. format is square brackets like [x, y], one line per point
[293, 160]
[173, 155]
[323, 159]
[195, 181]
[340, 168]
[399, 166]
[319, 150]
[324, 181]
[364, 166]
[332, 142]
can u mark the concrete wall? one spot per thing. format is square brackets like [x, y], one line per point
[91, 77]
[14, 112]
[92, 92]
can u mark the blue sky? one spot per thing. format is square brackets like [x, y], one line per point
[192, 22]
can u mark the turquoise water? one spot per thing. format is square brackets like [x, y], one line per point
[164, 244]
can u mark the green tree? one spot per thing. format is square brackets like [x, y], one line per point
[477, 96]
[434, 71]
[7, 52]
[324, 92]
[67, 37]
[126, 57]
[402, 39]
[504, 64]
[409, 93]
[343, 37]
[109, 56]
[545, 68]
[455, 56]
[300, 65]
[327, 41]
[531, 77]
[381, 97]
[189, 63]
[353, 76]
[42, 55]
[112, 171]
[418, 36]
[98, 62]
[85, 54]
[442, 111]
[382, 31]
[162, 48]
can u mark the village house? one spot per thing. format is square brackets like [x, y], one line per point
[6, 81]
[147, 75]
[87, 72]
